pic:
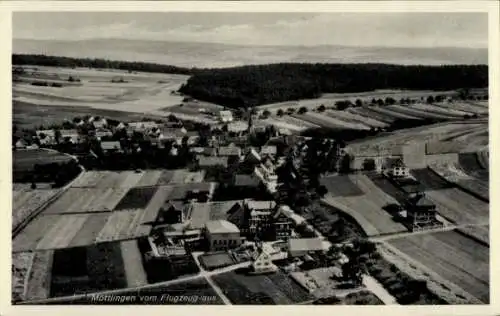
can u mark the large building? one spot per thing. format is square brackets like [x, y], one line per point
[222, 235]
[420, 212]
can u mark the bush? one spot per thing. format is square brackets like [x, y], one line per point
[302, 110]
[321, 108]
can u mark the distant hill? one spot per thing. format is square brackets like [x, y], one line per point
[210, 55]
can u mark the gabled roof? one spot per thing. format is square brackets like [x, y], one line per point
[221, 227]
[212, 161]
[253, 154]
[305, 244]
[238, 126]
[246, 180]
[68, 132]
[177, 205]
[229, 151]
[268, 150]
[420, 200]
[111, 145]
[260, 205]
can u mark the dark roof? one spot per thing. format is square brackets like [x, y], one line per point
[420, 200]
[246, 180]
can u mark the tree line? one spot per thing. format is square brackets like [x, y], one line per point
[248, 86]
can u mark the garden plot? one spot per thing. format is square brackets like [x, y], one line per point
[368, 112]
[38, 285]
[25, 203]
[108, 179]
[429, 179]
[132, 262]
[21, 268]
[470, 163]
[341, 186]
[367, 209]
[28, 238]
[149, 178]
[483, 157]
[276, 288]
[88, 269]
[86, 200]
[213, 261]
[416, 113]
[136, 198]
[120, 225]
[443, 147]
[62, 232]
[88, 233]
[355, 118]
[290, 123]
[455, 257]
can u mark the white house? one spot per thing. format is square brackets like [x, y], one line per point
[222, 235]
[261, 262]
[298, 247]
[398, 169]
[225, 116]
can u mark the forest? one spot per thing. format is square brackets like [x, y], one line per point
[249, 86]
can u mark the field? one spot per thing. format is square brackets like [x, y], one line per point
[367, 209]
[25, 201]
[88, 269]
[455, 257]
[216, 260]
[271, 289]
[481, 233]
[25, 159]
[340, 186]
[329, 121]
[39, 280]
[355, 118]
[140, 93]
[86, 200]
[21, 268]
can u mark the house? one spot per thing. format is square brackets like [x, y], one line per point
[20, 144]
[238, 127]
[259, 215]
[46, 137]
[420, 212]
[198, 214]
[102, 133]
[281, 224]
[267, 176]
[298, 247]
[245, 181]
[252, 157]
[262, 262]
[229, 151]
[397, 169]
[268, 151]
[98, 122]
[111, 146]
[172, 212]
[225, 116]
[210, 162]
[222, 235]
[142, 126]
[71, 135]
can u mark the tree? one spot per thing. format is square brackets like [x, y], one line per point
[290, 110]
[266, 114]
[302, 110]
[280, 112]
[359, 103]
[345, 164]
[322, 190]
[390, 101]
[369, 164]
[321, 108]
[430, 99]
[380, 102]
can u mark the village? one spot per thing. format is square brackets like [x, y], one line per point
[203, 199]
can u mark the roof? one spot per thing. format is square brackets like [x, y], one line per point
[178, 205]
[68, 132]
[221, 227]
[226, 113]
[47, 132]
[180, 191]
[144, 124]
[201, 213]
[212, 161]
[229, 151]
[167, 132]
[110, 145]
[420, 200]
[238, 126]
[260, 205]
[246, 180]
[305, 244]
[253, 154]
[268, 150]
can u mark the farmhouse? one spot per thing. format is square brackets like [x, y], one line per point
[260, 213]
[222, 235]
[397, 169]
[111, 147]
[172, 212]
[268, 151]
[225, 116]
[70, 135]
[198, 214]
[171, 134]
[230, 151]
[420, 212]
[262, 262]
[267, 176]
[98, 122]
[281, 224]
[46, 137]
[299, 247]
[210, 162]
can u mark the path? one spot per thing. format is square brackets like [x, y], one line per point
[376, 288]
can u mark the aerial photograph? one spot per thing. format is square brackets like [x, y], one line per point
[239, 158]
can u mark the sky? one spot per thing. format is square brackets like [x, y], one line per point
[464, 30]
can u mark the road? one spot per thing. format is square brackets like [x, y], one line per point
[376, 288]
